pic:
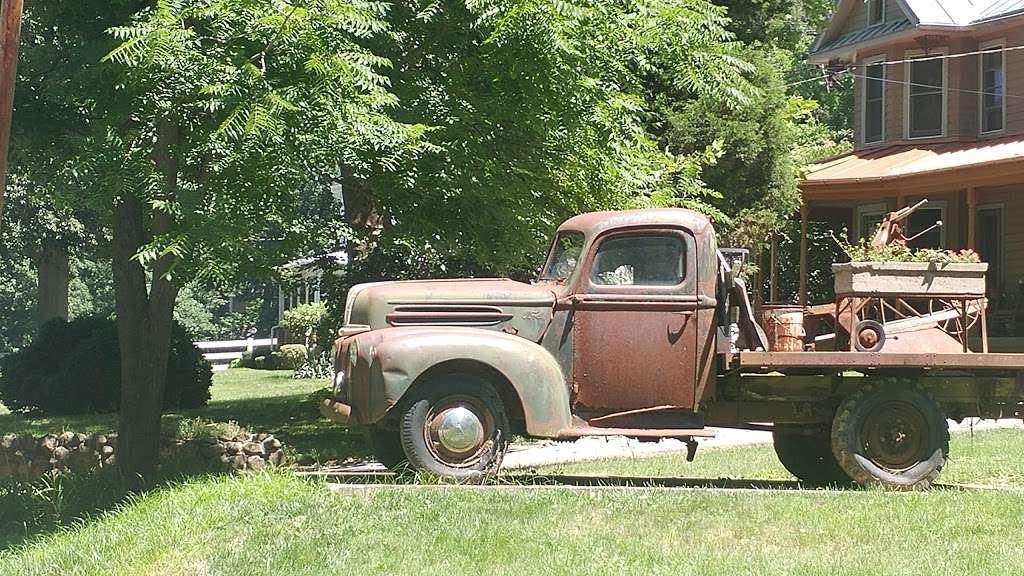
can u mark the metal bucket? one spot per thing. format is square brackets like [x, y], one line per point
[784, 327]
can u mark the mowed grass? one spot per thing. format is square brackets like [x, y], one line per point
[276, 524]
[992, 458]
[260, 400]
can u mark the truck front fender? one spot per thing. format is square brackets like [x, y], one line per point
[398, 357]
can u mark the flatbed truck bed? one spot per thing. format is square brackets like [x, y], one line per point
[834, 362]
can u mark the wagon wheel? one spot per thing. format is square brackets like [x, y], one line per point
[955, 326]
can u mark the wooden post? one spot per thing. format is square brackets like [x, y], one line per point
[972, 218]
[773, 279]
[805, 214]
[10, 30]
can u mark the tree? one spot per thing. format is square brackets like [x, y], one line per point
[199, 140]
[459, 130]
[536, 110]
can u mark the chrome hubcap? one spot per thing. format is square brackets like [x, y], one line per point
[459, 430]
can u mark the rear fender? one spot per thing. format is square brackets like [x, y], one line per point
[398, 357]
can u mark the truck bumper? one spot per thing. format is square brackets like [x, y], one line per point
[336, 411]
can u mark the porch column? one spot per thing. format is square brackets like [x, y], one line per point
[805, 214]
[972, 218]
[773, 283]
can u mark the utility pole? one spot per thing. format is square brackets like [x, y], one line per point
[10, 31]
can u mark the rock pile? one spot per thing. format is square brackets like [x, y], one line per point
[245, 451]
[27, 457]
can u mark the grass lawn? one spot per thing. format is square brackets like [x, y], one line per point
[261, 400]
[275, 524]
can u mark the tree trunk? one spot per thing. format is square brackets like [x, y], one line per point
[144, 323]
[54, 272]
[144, 317]
[360, 212]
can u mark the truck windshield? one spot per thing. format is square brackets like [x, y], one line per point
[565, 254]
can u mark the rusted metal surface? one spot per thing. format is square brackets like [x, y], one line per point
[784, 327]
[840, 361]
[580, 431]
[391, 360]
[336, 411]
[625, 360]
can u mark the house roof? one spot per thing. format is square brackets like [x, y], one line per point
[911, 160]
[338, 258]
[919, 14]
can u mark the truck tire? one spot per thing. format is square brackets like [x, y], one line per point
[807, 453]
[386, 446]
[891, 435]
[454, 427]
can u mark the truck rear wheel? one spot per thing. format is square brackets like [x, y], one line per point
[807, 453]
[455, 428]
[891, 435]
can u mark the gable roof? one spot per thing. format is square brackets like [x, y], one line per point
[919, 14]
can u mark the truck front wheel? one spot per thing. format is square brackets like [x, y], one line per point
[807, 453]
[891, 435]
[455, 428]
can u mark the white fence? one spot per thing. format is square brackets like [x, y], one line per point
[220, 353]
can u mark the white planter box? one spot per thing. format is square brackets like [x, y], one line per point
[905, 278]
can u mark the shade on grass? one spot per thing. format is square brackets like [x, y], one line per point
[275, 524]
[261, 400]
[989, 457]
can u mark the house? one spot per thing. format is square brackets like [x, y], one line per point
[939, 114]
[303, 279]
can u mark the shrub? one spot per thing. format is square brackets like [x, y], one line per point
[309, 320]
[75, 368]
[292, 356]
[247, 360]
[319, 366]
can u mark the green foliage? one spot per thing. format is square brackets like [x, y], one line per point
[864, 251]
[309, 322]
[74, 368]
[316, 367]
[292, 356]
[755, 171]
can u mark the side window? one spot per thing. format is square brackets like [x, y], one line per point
[640, 260]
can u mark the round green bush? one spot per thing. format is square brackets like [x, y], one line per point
[75, 368]
[292, 356]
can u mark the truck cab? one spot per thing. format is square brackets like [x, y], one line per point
[628, 329]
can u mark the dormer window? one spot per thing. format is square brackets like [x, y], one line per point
[993, 87]
[876, 11]
[926, 95]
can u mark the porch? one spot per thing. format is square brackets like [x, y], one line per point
[976, 189]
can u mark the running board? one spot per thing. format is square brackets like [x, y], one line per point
[679, 433]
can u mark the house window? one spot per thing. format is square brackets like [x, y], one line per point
[989, 242]
[869, 216]
[926, 97]
[876, 12]
[874, 101]
[993, 88]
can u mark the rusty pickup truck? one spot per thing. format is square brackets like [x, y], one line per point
[636, 326]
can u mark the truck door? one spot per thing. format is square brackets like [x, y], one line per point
[635, 322]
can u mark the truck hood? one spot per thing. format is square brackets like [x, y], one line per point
[490, 303]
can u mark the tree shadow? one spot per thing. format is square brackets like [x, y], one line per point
[30, 509]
